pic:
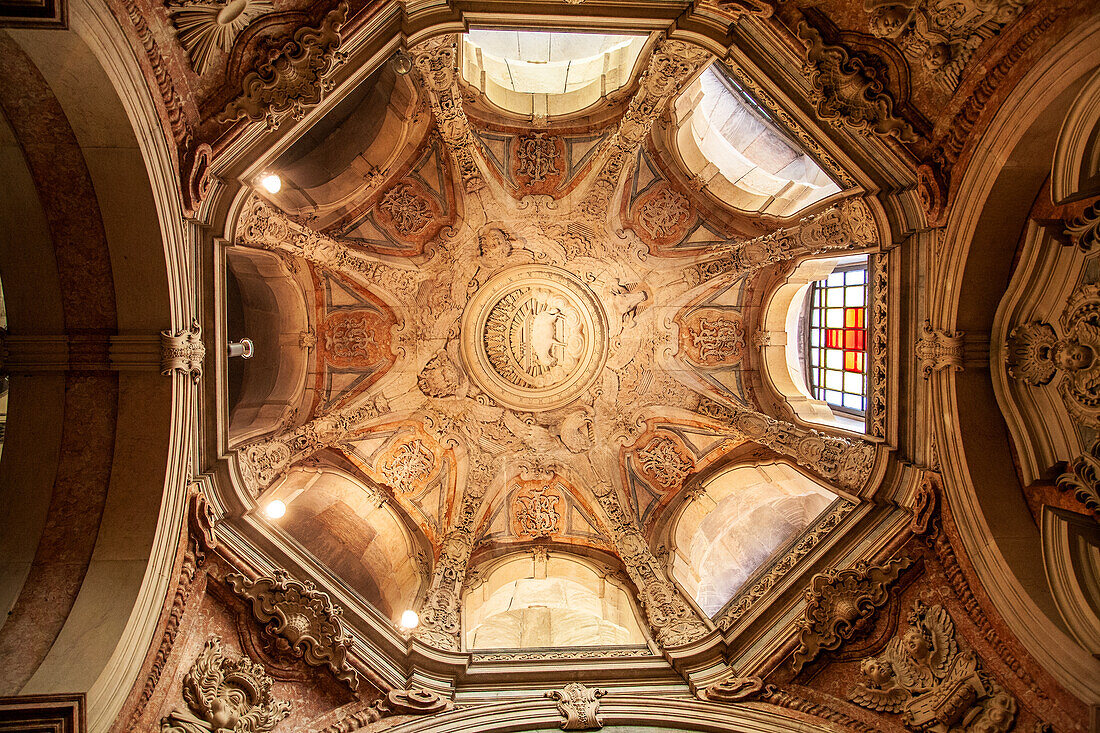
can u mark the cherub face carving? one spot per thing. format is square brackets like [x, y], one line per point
[439, 377]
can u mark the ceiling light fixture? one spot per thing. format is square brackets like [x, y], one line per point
[410, 619]
[275, 509]
[272, 183]
[402, 62]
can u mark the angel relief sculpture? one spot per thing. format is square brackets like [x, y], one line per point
[225, 696]
[923, 676]
[1036, 354]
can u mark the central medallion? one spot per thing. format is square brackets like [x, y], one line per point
[534, 337]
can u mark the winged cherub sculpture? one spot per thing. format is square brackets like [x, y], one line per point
[936, 688]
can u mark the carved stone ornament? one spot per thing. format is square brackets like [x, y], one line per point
[847, 92]
[939, 350]
[182, 351]
[1037, 354]
[302, 618]
[735, 689]
[1084, 230]
[408, 465]
[665, 215]
[536, 510]
[838, 601]
[226, 696]
[579, 706]
[538, 158]
[294, 79]
[406, 209]
[396, 702]
[925, 678]
[1082, 478]
[203, 26]
[713, 337]
[941, 35]
[664, 460]
[439, 377]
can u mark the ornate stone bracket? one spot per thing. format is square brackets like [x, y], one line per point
[183, 351]
[838, 601]
[579, 706]
[1084, 231]
[301, 617]
[225, 694]
[939, 350]
[294, 79]
[396, 702]
[1082, 477]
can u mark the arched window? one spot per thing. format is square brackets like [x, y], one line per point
[836, 339]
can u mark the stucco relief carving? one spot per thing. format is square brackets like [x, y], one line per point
[536, 510]
[355, 338]
[293, 80]
[847, 225]
[225, 694]
[665, 215]
[1082, 478]
[672, 64]
[435, 62]
[579, 706]
[847, 92]
[838, 601]
[941, 35]
[303, 618]
[538, 158]
[203, 26]
[713, 337]
[416, 701]
[666, 461]
[407, 465]
[1037, 355]
[939, 350]
[406, 209]
[925, 677]
[440, 377]
[1084, 231]
[183, 351]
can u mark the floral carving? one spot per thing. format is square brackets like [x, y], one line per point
[846, 91]
[925, 678]
[407, 210]
[1036, 354]
[183, 351]
[225, 695]
[416, 701]
[302, 618]
[941, 35]
[1082, 478]
[838, 601]
[665, 214]
[939, 350]
[203, 26]
[712, 337]
[294, 79]
[535, 510]
[579, 706]
[408, 465]
[356, 338]
[664, 460]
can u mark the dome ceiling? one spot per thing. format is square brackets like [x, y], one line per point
[525, 337]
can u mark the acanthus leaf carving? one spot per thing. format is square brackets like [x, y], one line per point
[226, 695]
[302, 617]
[939, 350]
[1082, 478]
[847, 92]
[838, 601]
[579, 706]
[293, 80]
[925, 677]
[183, 351]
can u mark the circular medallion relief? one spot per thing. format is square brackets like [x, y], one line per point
[534, 337]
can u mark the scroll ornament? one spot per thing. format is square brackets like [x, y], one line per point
[183, 351]
[302, 618]
[226, 696]
[579, 706]
[925, 677]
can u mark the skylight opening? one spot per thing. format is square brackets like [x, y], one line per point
[547, 73]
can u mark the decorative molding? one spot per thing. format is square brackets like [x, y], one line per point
[838, 602]
[1036, 355]
[746, 599]
[302, 617]
[579, 706]
[1084, 231]
[416, 701]
[183, 351]
[846, 91]
[925, 678]
[878, 376]
[293, 80]
[181, 130]
[225, 694]
[34, 14]
[202, 26]
[1082, 478]
[938, 350]
[941, 37]
[560, 654]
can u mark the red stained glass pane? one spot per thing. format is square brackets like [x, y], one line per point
[853, 361]
[853, 318]
[834, 338]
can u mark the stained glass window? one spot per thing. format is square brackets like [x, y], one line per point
[837, 339]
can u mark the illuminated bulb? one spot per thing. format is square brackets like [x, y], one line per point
[275, 509]
[409, 620]
[272, 183]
